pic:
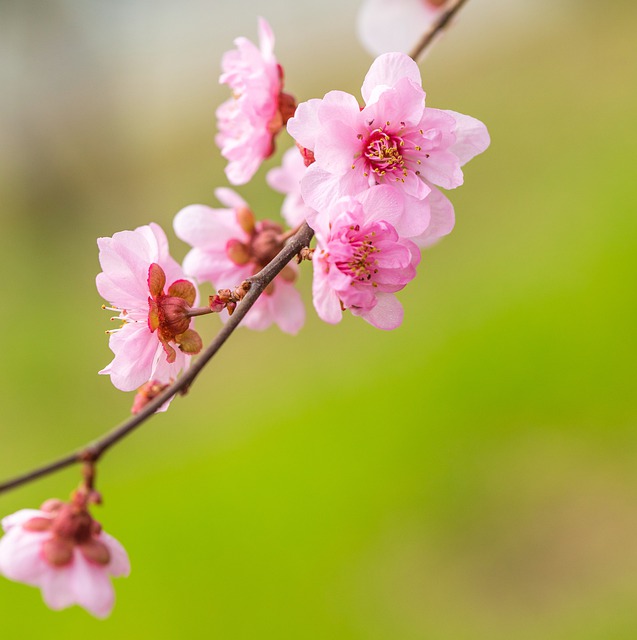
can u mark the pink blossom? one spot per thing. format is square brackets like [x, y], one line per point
[393, 140]
[287, 179]
[229, 246]
[360, 261]
[395, 25]
[249, 121]
[155, 340]
[63, 551]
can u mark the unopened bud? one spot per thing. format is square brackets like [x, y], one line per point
[216, 304]
[242, 289]
[146, 393]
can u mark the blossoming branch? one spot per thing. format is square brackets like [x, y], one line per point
[364, 179]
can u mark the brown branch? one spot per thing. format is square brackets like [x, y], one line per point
[259, 282]
[98, 448]
[437, 27]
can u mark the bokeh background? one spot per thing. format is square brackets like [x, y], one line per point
[471, 475]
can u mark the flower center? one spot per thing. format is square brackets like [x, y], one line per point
[123, 317]
[361, 265]
[384, 153]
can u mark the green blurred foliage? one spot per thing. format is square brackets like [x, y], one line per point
[468, 476]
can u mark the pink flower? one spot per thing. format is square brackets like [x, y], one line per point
[393, 140]
[395, 25]
[64, 552]
[287, 179]
[155, 340]
[229, 246]
[258, 109]
[360, 261]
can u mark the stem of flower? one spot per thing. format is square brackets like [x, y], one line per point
[436, 28]
[199, 311]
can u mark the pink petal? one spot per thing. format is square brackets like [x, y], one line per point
[206, 228]
[230, 198]
[325, 300]
[337, 148]
[387, 314]
[20, 517]
[442, 168]
[304, 126]
[416, 217]
[341, 106]
[119, 564]
[266, 39]
[134, 347]
[56, 587]
[387, 70]
[442, 219]
[321, 189]
[382, 203]
[91, 586]
[287, 307]
[20, 557]
[472, 137]
[400, 105]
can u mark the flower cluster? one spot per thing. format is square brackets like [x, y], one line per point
[366, 178]
[393, 142]
[258, 110]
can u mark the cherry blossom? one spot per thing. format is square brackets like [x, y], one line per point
[395, 25]
[360, 261]
[393, 140]
[229, 246]
[63, 551]
[287, 179]
[258, 110]
[155, 340]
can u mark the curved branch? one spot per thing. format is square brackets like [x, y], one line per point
[98, 448]
[259, 282]
[442, 21]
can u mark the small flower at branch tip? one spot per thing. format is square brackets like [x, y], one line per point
[156, 338]
[396, 25]
[62, 550]
[249, 121]
[230, 246]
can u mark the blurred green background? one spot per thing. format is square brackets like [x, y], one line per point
[470, 475]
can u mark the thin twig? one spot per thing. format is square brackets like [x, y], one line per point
[436, 28]
[98, 448]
